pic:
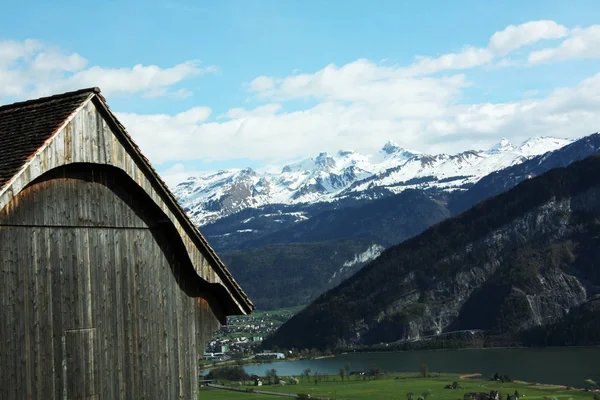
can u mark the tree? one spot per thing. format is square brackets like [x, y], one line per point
[316, 378]
[347, 368]
[306, 373]
[592, 384]
[342, 371]
[424, 370]
[425, 394]
[409, 396]
[238, 357]
[271, 375]
[374, 372]
[230, 373]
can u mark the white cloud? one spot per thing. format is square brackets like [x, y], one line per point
[151, 80]
[515, 36]
[468, 57]
[361, 81]
[32, 69]
[271, 134]
[56, 60]
[182, 93]
[11, 50]
[501, 43]
[265, 110]
[581, 43]
[359, 105]
[177, 173]
[262, 84]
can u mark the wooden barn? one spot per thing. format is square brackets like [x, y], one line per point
[108, 290]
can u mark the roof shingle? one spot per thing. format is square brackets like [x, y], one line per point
[26, 126]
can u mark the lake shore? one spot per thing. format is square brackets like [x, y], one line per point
[568, 366]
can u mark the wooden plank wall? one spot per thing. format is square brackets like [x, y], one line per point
[88, 138]
[90, 307]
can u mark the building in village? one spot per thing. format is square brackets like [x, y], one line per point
[270, 355]
[108, 291]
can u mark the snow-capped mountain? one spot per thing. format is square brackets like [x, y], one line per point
[332, 177]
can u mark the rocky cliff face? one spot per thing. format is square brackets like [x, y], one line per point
[519, 260]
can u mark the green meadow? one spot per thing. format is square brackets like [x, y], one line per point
[398, 386]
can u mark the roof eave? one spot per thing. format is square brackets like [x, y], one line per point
[243, 303]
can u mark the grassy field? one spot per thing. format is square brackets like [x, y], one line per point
[396, 386]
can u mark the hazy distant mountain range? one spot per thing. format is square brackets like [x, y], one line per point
[348, 174]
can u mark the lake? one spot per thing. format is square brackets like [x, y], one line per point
[566, 366]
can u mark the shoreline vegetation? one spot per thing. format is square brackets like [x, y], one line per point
[376, 385]
[253, 362]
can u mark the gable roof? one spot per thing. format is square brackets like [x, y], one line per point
[27, 126]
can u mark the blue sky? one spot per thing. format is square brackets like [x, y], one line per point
[206, 56]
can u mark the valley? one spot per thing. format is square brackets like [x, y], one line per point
[423, 267]
[275, 250]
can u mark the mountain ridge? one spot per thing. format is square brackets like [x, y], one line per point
[385, 221]
[348, 174]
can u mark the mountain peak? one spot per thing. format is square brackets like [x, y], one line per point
[391, 147]
[542, 144]
[501, 147]
[324, 160]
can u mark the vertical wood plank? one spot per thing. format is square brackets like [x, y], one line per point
[105, 315]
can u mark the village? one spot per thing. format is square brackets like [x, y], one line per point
[244, 334]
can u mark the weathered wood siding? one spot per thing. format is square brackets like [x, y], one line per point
[98, 297]
[88, 138]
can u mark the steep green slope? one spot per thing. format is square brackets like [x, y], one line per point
[298, 264]
[387, 221]
[523, 258]
[284, 275]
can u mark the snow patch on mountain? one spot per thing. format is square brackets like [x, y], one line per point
[330, 177]
[540, 145]
[503, 146]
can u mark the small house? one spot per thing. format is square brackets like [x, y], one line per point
[108, 290]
